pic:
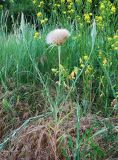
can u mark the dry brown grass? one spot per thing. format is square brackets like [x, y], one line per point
[43, 139]
[25, 102]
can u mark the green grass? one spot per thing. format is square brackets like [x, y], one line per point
[22, 58]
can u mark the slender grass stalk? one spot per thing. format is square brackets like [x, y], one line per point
[78, 133]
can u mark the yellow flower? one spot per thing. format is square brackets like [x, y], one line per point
[41, 3]
[82, 65]
[115, 37]
[39, 14]
[36, 35]
[99, 21]
[34, 1]
[74, 73]
[62, 1]
[85, 58]
[115, 48]
[69, 6]
[89, 69]
[69, 1]
[58, 5]
[113, 9]
[109, 39]
[98, 18]
[87, 17]
[72, 11]
[89, 1]
[64, 12]
[112, 45]
[44, 21]
[102, 6]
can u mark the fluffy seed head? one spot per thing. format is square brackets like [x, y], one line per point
[57, 36]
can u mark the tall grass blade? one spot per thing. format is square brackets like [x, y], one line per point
[93, 33]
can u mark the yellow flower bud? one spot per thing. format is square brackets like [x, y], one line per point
[113, 9]
[36, 35]
[39, 14]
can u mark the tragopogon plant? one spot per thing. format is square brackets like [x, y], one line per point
[58, 37]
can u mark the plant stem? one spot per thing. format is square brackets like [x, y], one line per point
[78, 133]
[59, 58]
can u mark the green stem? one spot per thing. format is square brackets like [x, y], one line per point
[59, 57]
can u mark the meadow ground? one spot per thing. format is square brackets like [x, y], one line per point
[60, 102]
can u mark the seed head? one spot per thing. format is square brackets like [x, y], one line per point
[57, 36]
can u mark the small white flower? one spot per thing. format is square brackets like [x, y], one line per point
[57, 36]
